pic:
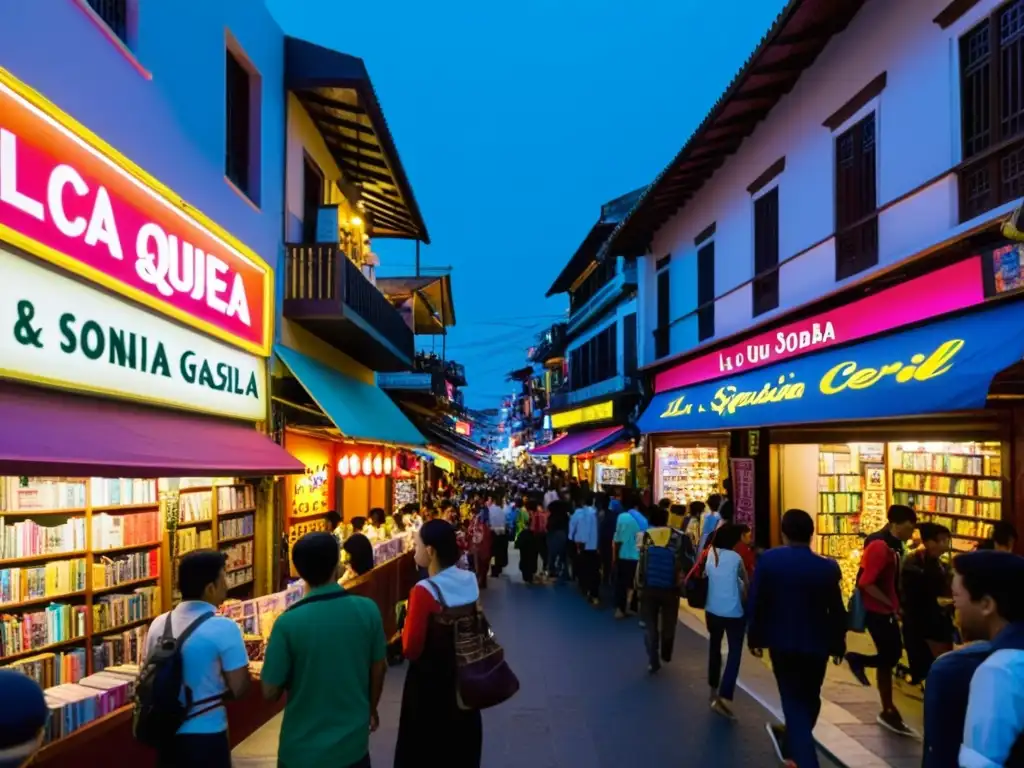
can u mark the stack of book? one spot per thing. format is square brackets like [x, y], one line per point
[238, 556]
[232, 498]
[50, 669]
[111, 571]
[234, 527]
[111, 611]
[193, 507]
[73, 706]
[111, 531]
[56, 624]
[48, 580]
[187, 539]
[27, 538]
[128, 647]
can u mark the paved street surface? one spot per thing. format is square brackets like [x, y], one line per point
[586, 699]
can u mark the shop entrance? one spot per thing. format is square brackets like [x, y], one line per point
[685, 473]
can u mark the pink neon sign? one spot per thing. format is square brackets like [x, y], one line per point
[949, 289]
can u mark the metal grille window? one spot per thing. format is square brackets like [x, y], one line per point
[237, 157]
[766, 252]
[856, 199]
[114, 14]
[706, 292]
[992, 111]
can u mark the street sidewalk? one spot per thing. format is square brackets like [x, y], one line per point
[846, 728]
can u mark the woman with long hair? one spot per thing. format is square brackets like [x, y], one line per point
[431, 717]
[724, 613]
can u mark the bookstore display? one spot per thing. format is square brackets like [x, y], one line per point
[688, 474]
[406, 491]
[609, 475]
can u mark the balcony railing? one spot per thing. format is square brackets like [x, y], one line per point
[328, 294]
[603, 298]
[612, 386]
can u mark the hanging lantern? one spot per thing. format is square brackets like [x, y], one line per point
[367, 465]
[378, 464]
[353, 464]
[387, 465]
[343, 466]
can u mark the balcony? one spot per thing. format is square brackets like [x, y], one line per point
[451, 371]
[603, 298]
[327, 295]
[615, 385]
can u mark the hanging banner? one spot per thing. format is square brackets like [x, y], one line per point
[942, 367]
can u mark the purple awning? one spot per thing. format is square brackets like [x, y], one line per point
[577, 442]
[46, 432]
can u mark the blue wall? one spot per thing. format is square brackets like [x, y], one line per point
[173, 124]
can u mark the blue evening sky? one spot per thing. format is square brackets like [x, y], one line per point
[515, 121]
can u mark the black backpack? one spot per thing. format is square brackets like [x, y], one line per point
[158, 712]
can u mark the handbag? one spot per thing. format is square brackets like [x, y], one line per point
[483, 678]
[696, 582]
[856, 612]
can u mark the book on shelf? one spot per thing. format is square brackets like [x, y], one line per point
[111, 611]
[982, 465]
[110, 531]
[27, 538]
[839, 502]
[57, 623]
[234, 497]
[111, 492]
[52, 579]
[188, 539]
[49, 669]
[73, 706]
[125, 647]
[239, 577]
[111, 571]
[239, 555]
[41, 493]
[236, 526]
[847, 483]
[193, 507]
[922, 501]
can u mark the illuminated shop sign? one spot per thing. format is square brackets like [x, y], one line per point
[952, 288]
[945, 366]
[597, 412]
[463, 428]
[68, 198]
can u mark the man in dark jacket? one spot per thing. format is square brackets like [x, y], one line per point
[796, 612]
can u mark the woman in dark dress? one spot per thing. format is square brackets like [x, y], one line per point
[430, 711]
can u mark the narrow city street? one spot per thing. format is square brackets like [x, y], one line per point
[586, 699]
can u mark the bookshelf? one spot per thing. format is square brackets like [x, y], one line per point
[840, 500]
[958, 485]
[82, 564]
[689, 474]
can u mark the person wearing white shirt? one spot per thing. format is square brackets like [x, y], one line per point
[496, 519]
[583, 534]
[727, 587]
[550, 496]
[988, 592]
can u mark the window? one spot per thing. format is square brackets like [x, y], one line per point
[595, 360]
[706, 292]
[114, 14]
[629, 344]
[663, 309]
[241, 160]
[856, 199]
[594, 282]
[766, 252]
[312, 198]
[992, 111]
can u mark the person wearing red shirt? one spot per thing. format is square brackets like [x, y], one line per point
[878, 582]
[745, 549]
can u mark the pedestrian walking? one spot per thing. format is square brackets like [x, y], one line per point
[710, 520]
[724, 613]
[626, 553]
[527, 540]
[583, 531]
[558, 537]
[796, 613]
[878, 585]
[663, 562]
[496, 518]
[925, 585]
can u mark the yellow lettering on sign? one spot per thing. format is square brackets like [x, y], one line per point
[847, 375]
[597, 412]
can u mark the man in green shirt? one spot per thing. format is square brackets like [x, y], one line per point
[328, 652]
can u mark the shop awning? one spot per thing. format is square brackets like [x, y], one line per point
[359, 411]
[51, 433]
[575, 442]
[935, 368]
[615, 446]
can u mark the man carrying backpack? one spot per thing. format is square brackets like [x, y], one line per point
[195, 660]
[665, 556]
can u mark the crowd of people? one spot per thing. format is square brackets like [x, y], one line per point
[646, 557]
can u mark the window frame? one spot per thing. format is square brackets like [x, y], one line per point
[847, 268]
[251, 189]
[706, 309]
[765, 276]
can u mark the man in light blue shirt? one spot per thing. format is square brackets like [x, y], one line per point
[627, 553]
[710, 521]
[215, 666]
[583, 532]
[988, 592]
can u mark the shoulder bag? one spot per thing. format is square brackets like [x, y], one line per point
[696, 582]
[483, 678]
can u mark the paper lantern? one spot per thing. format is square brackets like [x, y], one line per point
[387, 465]
[343, 466]
[378, 464]
[353, 461]
[367, 465]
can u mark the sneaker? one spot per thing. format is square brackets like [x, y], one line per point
[893, 721]
[777, 734]
[720, 707]
[857, 668]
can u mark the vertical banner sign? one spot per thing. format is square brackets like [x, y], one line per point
[742, 473]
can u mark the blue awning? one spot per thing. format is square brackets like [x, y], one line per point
[936, 368]
[360, 411]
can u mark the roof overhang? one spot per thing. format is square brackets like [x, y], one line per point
[431, 297]
[336, 91]
[796, 38]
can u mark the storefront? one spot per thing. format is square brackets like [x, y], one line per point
[898, 397]
[596, 457]
[134, 336]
